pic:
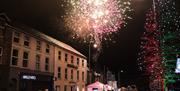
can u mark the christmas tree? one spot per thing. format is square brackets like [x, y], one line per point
[160, 44]
[150, 55]
[168, 20]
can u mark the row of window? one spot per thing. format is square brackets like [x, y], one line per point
[66, 74]
[27, 41]
[25, 61]
[72, 59]
[17, 38]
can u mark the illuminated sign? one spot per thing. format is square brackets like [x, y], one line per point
[28, 77]
[178, 66]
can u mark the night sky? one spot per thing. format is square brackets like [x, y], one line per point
[119, 54]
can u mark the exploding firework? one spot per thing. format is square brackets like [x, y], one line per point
[95, 18]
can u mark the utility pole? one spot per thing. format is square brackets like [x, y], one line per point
[119, 78]
[104, 74]
[89, 62]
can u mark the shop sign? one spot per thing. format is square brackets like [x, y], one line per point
[29, 77]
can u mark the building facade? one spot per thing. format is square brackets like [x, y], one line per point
[4, 51]
[70, 70]
[33, 61]
[26, 61]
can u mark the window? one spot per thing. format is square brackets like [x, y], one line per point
[66, 73]
[71, 74]
[25, 59]
[77, 61]
[37, 62]
[16, 37]
[26, 41]
[66, 57]
[46, 64]
[82, 63]
[59, 55]
[82, 76]
[1, 51]
[14, 59]
[59, 73]
[72, 59]
[38, 45]
[77, 75]
[47, 48]
[65, 87]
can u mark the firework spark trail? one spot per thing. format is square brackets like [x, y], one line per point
[97, 17]
[94, 20]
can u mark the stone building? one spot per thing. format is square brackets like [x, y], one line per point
[33, 61]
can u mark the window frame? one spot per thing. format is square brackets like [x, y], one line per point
[72, 59]
[47, 48]
[66, 57]
[78, 61]
[25, 61]
[59, 55]
[16, 37]
[26, 40]
[78, 75]
[72, 73]
[38, 62]
[38, 45]
[47, 64]
[83, 75]
[82, 63]
[16, 57]
[59, 73]
[66, 74]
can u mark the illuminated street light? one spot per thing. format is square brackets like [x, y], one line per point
[122, 71]
[95, 45]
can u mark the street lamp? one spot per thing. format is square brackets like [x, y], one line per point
[95, 45]
[119, 73]
[89, 56]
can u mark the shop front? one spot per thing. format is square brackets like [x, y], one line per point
[35, 82]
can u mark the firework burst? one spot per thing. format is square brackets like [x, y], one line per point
[95, 17]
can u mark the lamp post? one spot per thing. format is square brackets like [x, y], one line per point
[89, 56]
[119, 73]
[94, 46]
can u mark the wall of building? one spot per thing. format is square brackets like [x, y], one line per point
[33, 52]
[16, 70]
[5, 44]
[11, 75]
[61, 82]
